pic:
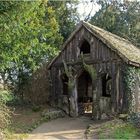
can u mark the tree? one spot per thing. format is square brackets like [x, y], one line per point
[67, 15]
[121, 18]
[29, 36]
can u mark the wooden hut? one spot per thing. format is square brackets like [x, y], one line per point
[76, 91]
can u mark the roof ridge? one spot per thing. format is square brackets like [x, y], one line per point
[101, 29]
[124, 48]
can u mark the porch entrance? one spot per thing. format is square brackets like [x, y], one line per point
[84, 94]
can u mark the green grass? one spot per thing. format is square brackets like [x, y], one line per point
[23, 118]
[119, 131]
[113, 129]
[23, 121]
[10, 135]
[19, 130]
[127, 131]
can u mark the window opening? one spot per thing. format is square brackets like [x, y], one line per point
[85, 48]
[65, 84]
[106, 85]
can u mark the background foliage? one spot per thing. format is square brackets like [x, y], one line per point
[119, 17]
[66, 15]
[29, 37]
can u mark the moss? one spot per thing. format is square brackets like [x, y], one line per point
[126, 50]
[68, 72]
[89, 68]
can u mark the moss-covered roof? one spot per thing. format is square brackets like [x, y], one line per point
[124, 48]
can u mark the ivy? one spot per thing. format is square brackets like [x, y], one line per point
[131, 75]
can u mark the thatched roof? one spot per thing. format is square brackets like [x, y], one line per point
[124, 48]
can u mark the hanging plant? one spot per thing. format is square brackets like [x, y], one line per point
[89, 68]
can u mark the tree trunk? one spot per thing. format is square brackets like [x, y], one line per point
[73, 101]
[95, 107]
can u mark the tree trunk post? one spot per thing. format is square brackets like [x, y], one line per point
[95, 106]
[73, 101]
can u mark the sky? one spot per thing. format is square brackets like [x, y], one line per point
[85, 7]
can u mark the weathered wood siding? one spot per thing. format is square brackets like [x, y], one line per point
[99, 51]
[101, 57]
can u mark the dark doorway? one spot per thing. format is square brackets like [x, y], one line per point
[84, 93]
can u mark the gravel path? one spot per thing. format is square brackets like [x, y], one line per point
[63, 128]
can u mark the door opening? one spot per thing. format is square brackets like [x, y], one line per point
[84, 94]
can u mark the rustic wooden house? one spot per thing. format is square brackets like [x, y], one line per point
[110, 56]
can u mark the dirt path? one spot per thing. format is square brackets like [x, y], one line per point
[63, 128]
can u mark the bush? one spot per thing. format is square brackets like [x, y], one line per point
[10, 99]
[4, 116]
[4, 110]
[36, 108]
[134, 118]
[6, 96]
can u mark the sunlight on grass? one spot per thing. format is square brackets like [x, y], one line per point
[23, 121]
[11, 135]
[119, 131]
[126, 132]
[113, 129]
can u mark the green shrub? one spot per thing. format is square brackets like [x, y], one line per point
[6, 96]
[11, 99]
[4, 115]
[36, 108]
[4, 111]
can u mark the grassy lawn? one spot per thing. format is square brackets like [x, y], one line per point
[114, 129]
[23, 121]
[127, 131]
[123, 131]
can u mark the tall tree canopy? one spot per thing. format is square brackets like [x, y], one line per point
[29, 36]
[66, 15]
[119, 17]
